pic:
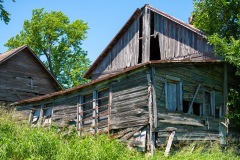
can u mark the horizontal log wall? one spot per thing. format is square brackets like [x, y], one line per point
[64, 111]
[130, 101]
[210, 76]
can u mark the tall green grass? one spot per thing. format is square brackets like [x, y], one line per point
[19, 141]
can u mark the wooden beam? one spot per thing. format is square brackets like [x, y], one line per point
[155, 116]
[195, 95]
[80, 114]
[170, 139]
[146, 36]
[150, 109]
[109, 108]
[94, 119]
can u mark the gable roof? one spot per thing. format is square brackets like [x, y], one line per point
[126, 26]
[7, 55]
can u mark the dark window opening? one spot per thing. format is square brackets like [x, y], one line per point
[185, 106]
[140, 52]
[208, 106]
[152, 23]
[154, 48]
[216, 112]
[140, 40]
[154, 41]
[196, 109]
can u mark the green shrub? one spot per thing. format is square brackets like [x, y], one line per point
[19, 141]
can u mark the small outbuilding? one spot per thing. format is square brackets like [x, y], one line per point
[23, 76]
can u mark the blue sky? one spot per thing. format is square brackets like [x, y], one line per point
[104, 17]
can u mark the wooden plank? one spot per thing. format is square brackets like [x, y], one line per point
[146, 35]
[191, 105]
[169, 144]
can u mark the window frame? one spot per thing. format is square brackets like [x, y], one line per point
[175, 80]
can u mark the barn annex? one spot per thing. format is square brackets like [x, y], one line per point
[24, 76]
[157, 78]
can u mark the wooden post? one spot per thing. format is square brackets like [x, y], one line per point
[169, 143]
[109, 108]
[94, 120]
[225, 100]
[154, 99]
[80, 115]
[150, 108]
[146, 35]
[195, 95]
[30, 117]
[40, 116]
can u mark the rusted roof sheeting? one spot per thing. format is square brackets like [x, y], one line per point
[55, 94]
[9, 54]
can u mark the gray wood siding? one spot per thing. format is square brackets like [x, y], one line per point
[16, 76]
[124, 54]
[188, 125]
[65, 111]
[130, 102]
[178, 42]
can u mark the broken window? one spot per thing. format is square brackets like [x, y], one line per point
[35, 117]
[47, 114]
[103, 97]
[87, 109]
[196, 107]
[173, 93]
[209, 103]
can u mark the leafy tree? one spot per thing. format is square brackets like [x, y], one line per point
[53, 38]
[220, 19]
[4, 15]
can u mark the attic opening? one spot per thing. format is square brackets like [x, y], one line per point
[140, 40]
[154, 41]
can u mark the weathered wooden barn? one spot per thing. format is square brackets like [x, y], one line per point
[23, 76]
[157, 78]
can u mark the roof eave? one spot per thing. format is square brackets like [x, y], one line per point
[51, 95]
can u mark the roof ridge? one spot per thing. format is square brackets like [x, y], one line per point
[10, 53]
[191, 27]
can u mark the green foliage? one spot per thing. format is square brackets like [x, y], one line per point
[220, 19]
[19, 141]
[233, 103]
[52, 36]
[4, 15]
[217, 17]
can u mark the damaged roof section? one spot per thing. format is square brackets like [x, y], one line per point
[150, 34]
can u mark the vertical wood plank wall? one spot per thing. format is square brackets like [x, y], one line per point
[177, 42]
[123, 54]
[130, 102]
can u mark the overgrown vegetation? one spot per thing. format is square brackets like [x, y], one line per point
[19, 141]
